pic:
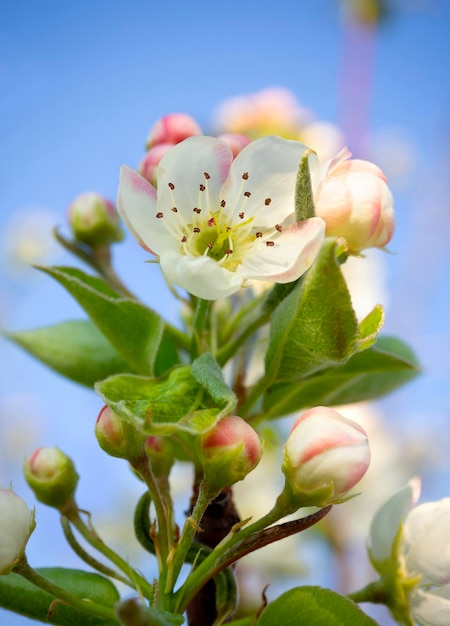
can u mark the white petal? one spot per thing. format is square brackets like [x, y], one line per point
[200, 276]
[136, 203]
[293, 252]
[387, 519]
[271, 164]
[431, 608]
[184, 167]
[427, 532]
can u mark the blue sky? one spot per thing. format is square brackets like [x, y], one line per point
[82, 83]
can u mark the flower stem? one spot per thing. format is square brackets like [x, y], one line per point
[373, 592]
[198, 324]
[230, 349]
[80, 604]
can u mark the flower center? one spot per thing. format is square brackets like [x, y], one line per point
[216, 229]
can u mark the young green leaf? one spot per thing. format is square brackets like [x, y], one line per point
[21, 596]
[315, 326]
[134, 330]
[365, 376]
[313, 605]
[76, 349]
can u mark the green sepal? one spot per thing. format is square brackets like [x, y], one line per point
[367, 375]
[369, 328]
[315, 326]
[21, 596]
[313, 605]
[176, 402]
[133, 329]
[304, 202]
[76, 349]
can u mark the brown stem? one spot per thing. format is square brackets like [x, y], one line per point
[219, 518]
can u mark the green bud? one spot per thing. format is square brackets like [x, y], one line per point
[94, 220]
[52, 476]
[117, 437]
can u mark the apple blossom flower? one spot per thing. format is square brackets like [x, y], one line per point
[94, 220]
[16, 525]
[228, 451]
[353, 198]
[216, 222]
[172, 128]
[52, 476]
[325, 455]
[409, 547]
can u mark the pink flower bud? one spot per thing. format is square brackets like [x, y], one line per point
[325, 455]
[94, 220]
[16, 525]
[52, 476]
[229, 451]
[117, 437]
[150, 161]
[354, 200]
[235, 142]
[172, 129]
[161, 454]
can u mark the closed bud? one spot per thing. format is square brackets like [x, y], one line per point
[52, 476]
[354, 200]
[325, 455]
[172, 129]
[235, 142]
[161, 454]
[16, 525]
[94, 220]
[150, 161]
[118, 437]
[229, 451]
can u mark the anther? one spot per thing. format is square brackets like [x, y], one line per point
[202, 187]
[267, 201]
[247, 194]
[229, 251]
[174, 209]
[245, 175]
[223, 203]
[242, 215]
[278, 227]
[209, 245]
[228, 229]
[197, 210]
[196, 229]
[269, 244]
[211, 221]
[184, 239]
[206, 175]
[171, 186]
[258, 234]
[159, 215]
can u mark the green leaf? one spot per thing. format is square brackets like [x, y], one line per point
[315, 326]
[75, 349]
[370, 327]
[366, 375]
[21, 596]
[313, 606]
[208, 374]
[304, 203]
[134, 330]
[166, 405]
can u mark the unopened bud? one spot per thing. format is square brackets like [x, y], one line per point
[161, 454]
[52, 476]
[325, 455]
[229, 451]
[150, 161]
[235, 142]
[94, 220]
[118, 437]
[353, 199]
[172, 129]
[16, 525]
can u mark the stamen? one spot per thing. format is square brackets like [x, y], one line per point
[278, 227]
[184, 239]
[270, 244]
[202, 187]
[206, 175]
[259, 234]
[197, 210]
[159, 215]
[211, 222]
[245, 175]
[267, 201]
[171, 186]
[229, 251]
[242, 215]
[174, 209]
[247, 194]
[196, 229]
[223, 203]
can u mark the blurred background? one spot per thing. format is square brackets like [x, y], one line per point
[81, 84]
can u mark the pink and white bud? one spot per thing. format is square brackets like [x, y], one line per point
[229, 451]
[94, 220]
[16, 525]
[118, 437]
[150, 161]
[235, 142]
[52, 476]
[172, 129]
[325, 455]
[353, 198]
